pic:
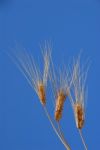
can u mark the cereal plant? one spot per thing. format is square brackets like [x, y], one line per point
[67, 83]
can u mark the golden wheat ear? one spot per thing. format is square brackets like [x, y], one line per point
[79, 90]
[37, 79]
[61, 97]
[78, 98]
[41, 92]
[41, 85]
[63, 91]
[79, 115]
[60, 88]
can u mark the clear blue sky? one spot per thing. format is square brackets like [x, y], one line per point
[71, 26]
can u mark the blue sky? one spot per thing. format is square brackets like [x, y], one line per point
[70, 26]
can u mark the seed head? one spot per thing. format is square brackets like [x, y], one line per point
[79, 115]
[35, 77]
[59, 105]
[79, 93]
[41, 93]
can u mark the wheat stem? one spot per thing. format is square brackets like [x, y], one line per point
[83, 141]
[61, 133]
[56, 131]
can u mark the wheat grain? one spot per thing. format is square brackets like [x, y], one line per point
[59, 104]
[41, 93]
[79, 115]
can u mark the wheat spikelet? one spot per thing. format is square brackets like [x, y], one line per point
[79, 115]
[59, 105]
[41, 93]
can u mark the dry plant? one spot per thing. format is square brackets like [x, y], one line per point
[78, 95]
[64, 84]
